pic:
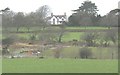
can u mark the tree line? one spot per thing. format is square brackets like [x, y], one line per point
[87, 15]
[32, 19]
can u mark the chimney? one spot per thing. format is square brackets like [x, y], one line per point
[65, 13]
[51, 14]
[65, 16]
[119, 5]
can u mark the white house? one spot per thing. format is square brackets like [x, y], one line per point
[57, 19]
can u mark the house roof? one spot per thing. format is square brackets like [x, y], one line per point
[57, 16]
[60, 16]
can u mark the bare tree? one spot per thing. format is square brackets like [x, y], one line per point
[61, 32]
[29, 20]
[41, 16]
[19, 20]
[7, 19]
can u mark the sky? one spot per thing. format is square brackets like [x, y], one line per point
[58, 7]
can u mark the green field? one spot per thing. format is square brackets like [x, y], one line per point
[35, 65]
[72, 35]
[87, 28]
[104, 59]
[24, 29]
[69, 36]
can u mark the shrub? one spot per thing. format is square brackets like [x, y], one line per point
[33, 37]
[57, 52]
[5, 51]
[85, 53]
[90, 38]
[8, 41]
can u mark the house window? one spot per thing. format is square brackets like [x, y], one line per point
[53, 21]
[57, 21]
[60, 22]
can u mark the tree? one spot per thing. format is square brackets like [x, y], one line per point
[86, 20]
[19, 20]
[7, 19]
[111, 19]
[29, 20]
[96, 19]
[4, 10]
[85, 15]
[41, 16]
[88, 7]
[74, 20]
[61, 32]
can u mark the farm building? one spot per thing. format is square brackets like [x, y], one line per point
[57, 19]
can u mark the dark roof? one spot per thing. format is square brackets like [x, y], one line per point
[57, 16]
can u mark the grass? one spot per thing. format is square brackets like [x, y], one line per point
[24, 35]
[87, 28]
[72, 35]
[65, 65]
[69, 36]
[37, 28]
[0, 65]
[35, 65]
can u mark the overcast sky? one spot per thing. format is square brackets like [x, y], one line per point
[57, 6]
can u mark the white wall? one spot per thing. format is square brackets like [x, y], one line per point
[53, 18]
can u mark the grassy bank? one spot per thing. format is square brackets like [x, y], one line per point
[35, 65]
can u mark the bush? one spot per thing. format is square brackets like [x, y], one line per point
[85, 53]
[5, 51]
[33, 37]
[57, 52]
[90, 38]
[8, 41]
